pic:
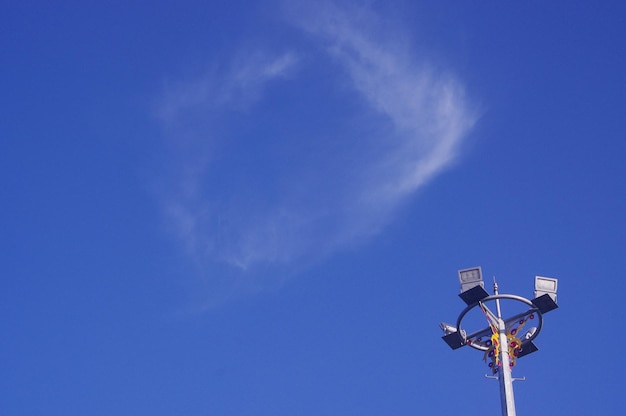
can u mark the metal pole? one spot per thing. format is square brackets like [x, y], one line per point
[495, 292]
[505, 379]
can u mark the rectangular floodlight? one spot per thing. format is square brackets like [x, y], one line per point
[470, 277]
[545, 285]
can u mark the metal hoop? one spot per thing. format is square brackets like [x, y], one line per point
[533, 309]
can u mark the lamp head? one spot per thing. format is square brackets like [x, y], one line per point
[545, 285]
[470, 278]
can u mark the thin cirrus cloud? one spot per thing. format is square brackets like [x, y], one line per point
[254, 187]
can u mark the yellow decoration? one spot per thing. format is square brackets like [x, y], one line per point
[514, 343]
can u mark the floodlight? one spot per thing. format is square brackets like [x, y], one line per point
[472, 285]
[545, 285]
[470, 278]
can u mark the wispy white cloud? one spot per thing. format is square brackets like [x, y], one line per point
[428, 109]
[237, 85]
[268, 195]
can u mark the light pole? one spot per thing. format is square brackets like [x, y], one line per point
[501, 341]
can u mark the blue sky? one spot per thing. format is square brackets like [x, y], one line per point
[259, 208]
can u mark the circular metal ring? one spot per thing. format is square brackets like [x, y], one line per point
[533, 309]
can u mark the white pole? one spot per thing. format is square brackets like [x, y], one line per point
[507, 399]
[504, 376]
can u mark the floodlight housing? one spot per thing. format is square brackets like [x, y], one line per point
[545, 293]
[471, 277]
[472, 285]
[545, 285]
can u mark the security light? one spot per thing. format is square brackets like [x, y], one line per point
[472, 286]
[470, 278]
[545, 285]
[545, 293]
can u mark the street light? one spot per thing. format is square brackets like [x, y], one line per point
[472, 285]
[502, 340]
[470, 278]
[545, 293]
